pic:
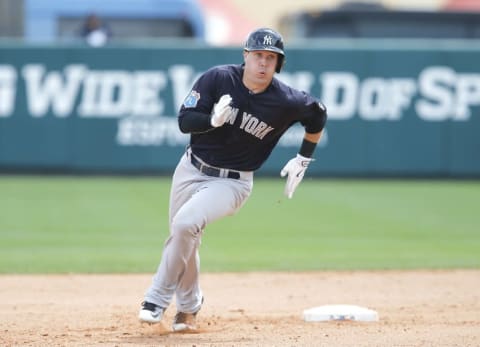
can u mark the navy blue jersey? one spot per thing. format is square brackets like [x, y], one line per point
[248, 137]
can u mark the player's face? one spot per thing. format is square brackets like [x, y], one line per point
[259, 69]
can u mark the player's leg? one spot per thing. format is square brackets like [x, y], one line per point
[215, 199]
[184, 183]
[196, 200]
[189, 295]
[186, 180]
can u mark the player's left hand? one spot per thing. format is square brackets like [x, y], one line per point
[295, 169]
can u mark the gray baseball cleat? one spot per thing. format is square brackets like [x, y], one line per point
[150, 313]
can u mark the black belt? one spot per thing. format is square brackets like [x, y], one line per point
[212, 171]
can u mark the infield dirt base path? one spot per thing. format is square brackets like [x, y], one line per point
[420, 308]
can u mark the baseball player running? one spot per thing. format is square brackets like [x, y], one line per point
[235, 114]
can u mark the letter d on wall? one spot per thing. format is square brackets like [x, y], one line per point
[340, 94]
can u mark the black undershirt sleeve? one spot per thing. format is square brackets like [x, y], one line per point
[194, 122]
[307, 148]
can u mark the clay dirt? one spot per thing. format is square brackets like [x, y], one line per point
[416, 308]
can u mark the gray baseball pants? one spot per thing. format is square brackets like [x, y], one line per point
[195, 201]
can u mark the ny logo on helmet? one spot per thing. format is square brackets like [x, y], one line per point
[267, 40]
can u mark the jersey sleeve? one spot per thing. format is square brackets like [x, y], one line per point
[313, 114]
[194, 115]
[204, 93]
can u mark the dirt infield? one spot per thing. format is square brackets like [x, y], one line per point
[421, 308]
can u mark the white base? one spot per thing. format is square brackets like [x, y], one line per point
[340, 312]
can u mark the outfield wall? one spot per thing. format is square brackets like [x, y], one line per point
[396, 108]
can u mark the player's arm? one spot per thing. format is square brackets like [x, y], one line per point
[192, 121]
[296, 167]
[309, 143]
[314, 123]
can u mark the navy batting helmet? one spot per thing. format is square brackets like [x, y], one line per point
[265, 39]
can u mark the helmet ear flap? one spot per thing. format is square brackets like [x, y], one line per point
[280, 63]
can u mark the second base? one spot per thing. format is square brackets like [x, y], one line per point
[340, 312]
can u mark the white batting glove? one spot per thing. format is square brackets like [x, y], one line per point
[221, 111]
[295, 169]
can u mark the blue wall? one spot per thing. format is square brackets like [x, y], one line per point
[41, 15]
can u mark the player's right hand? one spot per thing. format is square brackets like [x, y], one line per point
[221, 111]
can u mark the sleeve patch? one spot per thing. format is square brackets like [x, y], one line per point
[192, 99]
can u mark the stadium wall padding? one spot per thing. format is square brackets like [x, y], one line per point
[394, 109]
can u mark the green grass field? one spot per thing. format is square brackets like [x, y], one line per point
[112, 224]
